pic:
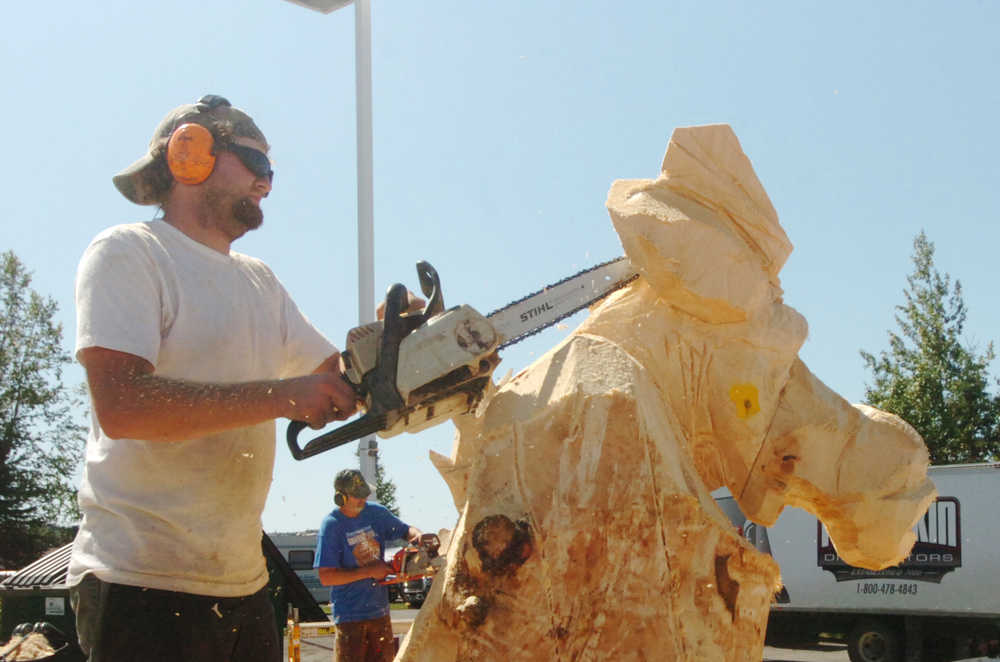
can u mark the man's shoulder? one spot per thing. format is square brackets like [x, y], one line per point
[128, 232]
[333, 520]
[377, 511]
[127, 243]
[330, 516]
[373, 509]
[255, 266]
[153, 238]
[250, 262]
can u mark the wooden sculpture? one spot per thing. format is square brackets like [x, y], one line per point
[587, 530]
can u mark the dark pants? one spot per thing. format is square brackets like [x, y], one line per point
[118, 623]
[365, 641]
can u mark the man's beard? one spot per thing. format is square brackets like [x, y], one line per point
[234, 216]
[248, 213]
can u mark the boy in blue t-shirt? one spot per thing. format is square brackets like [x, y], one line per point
[349, 553]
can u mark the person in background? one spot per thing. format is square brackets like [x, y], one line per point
[191, 351]
[349, 558]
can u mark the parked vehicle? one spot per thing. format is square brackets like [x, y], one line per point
[395, 590]
[942, 603]
[415, 591]
[299, 549]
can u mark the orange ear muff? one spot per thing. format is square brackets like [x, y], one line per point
[189, 154]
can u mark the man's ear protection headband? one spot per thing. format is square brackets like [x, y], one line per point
[191, 149]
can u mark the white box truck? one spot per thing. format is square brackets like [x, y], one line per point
[942, 603]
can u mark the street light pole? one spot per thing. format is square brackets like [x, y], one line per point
[363, 91]
[367, 446]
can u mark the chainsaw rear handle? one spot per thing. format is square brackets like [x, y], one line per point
[380, 382]
[345, 434]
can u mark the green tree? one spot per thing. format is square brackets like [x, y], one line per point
[40, 443]
[385, 489]
[928, 377]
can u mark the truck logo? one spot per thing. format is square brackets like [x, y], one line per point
[937, 552]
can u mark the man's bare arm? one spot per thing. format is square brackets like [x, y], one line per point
[132, 402]
[341, 576]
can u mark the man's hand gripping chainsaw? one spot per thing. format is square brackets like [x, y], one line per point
[411, 370]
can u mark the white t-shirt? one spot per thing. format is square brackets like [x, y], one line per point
[183, 516]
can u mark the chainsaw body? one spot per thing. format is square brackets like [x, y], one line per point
[416, 561]
[436, 362]
[412, 370]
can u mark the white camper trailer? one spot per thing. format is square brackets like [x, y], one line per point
[943, 602]
[299, 549]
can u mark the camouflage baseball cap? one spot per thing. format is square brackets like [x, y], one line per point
[211, 111]
[352, 483]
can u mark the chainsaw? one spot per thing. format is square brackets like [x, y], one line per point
[416, 561]
[413, 370]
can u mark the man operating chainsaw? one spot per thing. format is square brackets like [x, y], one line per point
[191, 351]
[349, 553]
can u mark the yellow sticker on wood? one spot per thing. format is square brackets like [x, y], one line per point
[745, 398]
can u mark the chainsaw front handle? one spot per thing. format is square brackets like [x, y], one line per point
[380, 383]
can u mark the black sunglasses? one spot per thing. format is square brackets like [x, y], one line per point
[255, 160]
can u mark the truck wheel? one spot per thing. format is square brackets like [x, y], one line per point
[874, 641]
[416, 602]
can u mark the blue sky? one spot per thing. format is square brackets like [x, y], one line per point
[498, 129]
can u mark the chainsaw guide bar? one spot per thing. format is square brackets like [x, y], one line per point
[554, 303]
